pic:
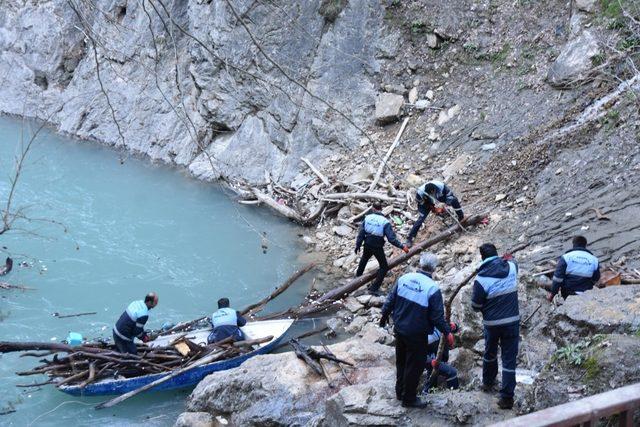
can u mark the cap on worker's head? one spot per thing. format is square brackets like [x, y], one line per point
[579, 242]
[376, 206]
[151, 299]
[428, 261]
[487, 250]
[223, 303]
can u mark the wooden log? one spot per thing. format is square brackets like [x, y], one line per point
[283, 210]
[301, 353]
[5, 285]
[92, 375]
[253, 308]
[342, 197]
[319, 174]
[248, 343]
[203, 361]
[59, 316]
[417, 248]
[72, 378]
[344, 374]
[9, 347]
[387, 156]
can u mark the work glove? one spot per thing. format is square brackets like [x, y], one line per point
[435, 363]
[405, 249]
[437, 210]
[454, 327]
[550, 297]
[450, 340]
[507, 256]
[383, 321]
[145, 338]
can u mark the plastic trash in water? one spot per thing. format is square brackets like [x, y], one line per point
[74, 338]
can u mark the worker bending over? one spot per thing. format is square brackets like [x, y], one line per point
[226, 322]
[444, 369]
[372, 233]
[131, 323]
[576, 272]
[427, 196]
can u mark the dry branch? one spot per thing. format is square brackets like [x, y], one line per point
[396, 141]
[315, 170]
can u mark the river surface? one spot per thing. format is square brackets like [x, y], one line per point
[125, 229]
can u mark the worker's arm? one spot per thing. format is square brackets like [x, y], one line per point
[559, 276]
[596, 275]
[241, 320]
[389, 304]
[391, 236]
[360, 237]
[423, 212]
[436, 313]
[138, 331]
[479, 296]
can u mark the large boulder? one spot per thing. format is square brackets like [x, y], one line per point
[599, 311]
[575, 61]
[388, 107]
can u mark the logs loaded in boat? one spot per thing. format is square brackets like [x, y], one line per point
[85, 364]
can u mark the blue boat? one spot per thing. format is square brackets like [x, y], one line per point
[252, 330]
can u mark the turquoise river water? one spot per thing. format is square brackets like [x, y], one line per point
[128, 229]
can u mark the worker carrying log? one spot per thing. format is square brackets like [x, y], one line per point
[427, 196]
[445, 370]
[576, 272]
[226, 322]
[131, 323]
[417, 307]
[372, 233]
[495, 294]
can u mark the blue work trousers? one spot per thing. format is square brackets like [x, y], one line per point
[506, 337]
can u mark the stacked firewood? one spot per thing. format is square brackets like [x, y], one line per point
[91, 362]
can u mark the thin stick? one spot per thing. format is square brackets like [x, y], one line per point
[388, 155]
[73, 315]
[320, 175]
[532, 314]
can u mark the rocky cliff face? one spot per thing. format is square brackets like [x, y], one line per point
[178, 78]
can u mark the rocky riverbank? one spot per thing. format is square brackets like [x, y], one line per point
[528, 110]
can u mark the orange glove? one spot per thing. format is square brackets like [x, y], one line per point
[405, 249]
[437, 210]
[145, 338]
[507, 256]
[450, 340]
[550, 297]
[434, 363]
[453, 326]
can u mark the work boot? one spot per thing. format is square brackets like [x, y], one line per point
[488, 388]
[418, 403]
[505, 403]
[374, 292]
[409, 242]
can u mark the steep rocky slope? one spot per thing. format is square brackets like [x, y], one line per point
[529, 110]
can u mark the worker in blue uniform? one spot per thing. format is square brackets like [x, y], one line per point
[445, 370]
[226, 322]
[495, 294]
[416, 306]
[131, 323]
[373, 230]
[576, 272]
[427, 195]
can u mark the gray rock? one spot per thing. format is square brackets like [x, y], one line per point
[196, 419]
[343, 230]
[489, 147]
[574, 61]
[413, 95]
[352, 304]
[433, 41]
[586, 5]
[422, 104]
[356, 324]
[598, 311]
[388, 108]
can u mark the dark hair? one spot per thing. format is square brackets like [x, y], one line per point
[488, 250]
[376, 206]
[430, 188]
[151, 297]
[579, 242]
[223, 303]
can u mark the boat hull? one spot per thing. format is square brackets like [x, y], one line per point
[186, 379]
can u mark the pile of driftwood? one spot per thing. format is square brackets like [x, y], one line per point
[88, 363]
[323, 195]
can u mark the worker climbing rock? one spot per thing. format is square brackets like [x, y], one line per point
[372, 233]
[445, 370]
[427, 196]
[131, 323]
[226, 322]
[576, 272]
[495, 294]
[416, 306]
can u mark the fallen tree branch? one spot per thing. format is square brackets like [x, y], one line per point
[383, 164]
[5, 285]
[339, 197]
[64, 316]
[320, 175]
